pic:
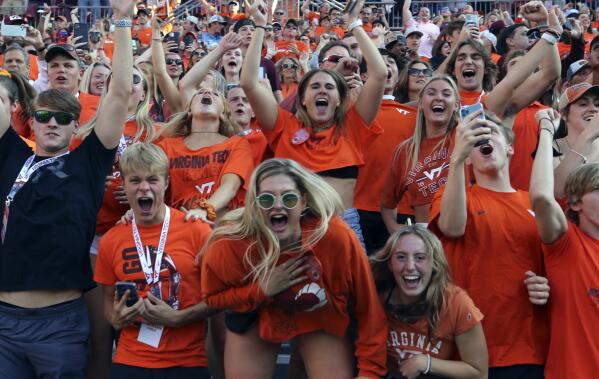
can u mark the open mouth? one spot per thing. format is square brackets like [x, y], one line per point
[486, 149]
[232, 64]
[469, 73]
[145, 204]
[411, 281]
[389, 74]
[206, 100]
[278, 222]
[438, 109]
[322, 104]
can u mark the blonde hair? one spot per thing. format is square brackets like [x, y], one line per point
[279, 67]
[433, 298]
[180, 124]
[412, 144]
[581, 181]
[144, 156]
[323, 203]
[86, 79]
[145, 125]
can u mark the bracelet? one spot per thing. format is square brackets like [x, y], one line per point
[584, 159]
[260, 27]
[124, 23]
[210, 211]
[545, 118]
[549, 38]
[428, 364]
[354, 25]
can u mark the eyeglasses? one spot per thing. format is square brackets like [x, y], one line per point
[279, 13]
[199, 53]
[285, 66]
[62, 118]
[333, 58]
[170, 61]
[266, 201]
[427, 72]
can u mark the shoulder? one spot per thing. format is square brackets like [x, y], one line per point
[116, 234]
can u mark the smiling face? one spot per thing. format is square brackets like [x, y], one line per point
[97, 80]
[145, 192]
[321, 99]
[412, 268]
[289, 69]
[581, 112]
[438, 102]
[241, 110]
[585, 20]
[285, 223]
[469, 69]
[64, 74]
[416, 81]
[174, 69]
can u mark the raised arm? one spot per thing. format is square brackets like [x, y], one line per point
[305, 9]
[113, 109]
[189, 83]
[370, 98]
[453, 216]
[263, 103]
[501, 97]
[406, 13]
[551, 221]
[167, 87]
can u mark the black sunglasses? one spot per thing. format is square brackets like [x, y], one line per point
[62, 118]
[279, 13]
[293, 66]
[266, 201]
[427, 72]
[199, 53]
[170, 61]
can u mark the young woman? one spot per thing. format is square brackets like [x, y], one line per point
[94, 78]
[290, 73]
[17, 94]
[288, 256]
[412, 80]
[420, 164]
[230, 64]
[441, 50]
[420, 301]
[327, 134]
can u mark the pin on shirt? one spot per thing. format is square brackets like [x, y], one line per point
[300, 136]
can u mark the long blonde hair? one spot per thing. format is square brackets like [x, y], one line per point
[145, 125]
[412, 144]
[323, 203]
[86, 79]
[433, 298]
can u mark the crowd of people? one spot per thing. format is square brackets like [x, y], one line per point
[184, 192]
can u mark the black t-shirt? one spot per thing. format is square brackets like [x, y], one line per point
[53, 217]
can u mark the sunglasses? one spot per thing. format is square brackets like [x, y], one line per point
[293, 66]
[199, 53]
[170, 61]
[417, 72]
[333, 58]
[279, 13]
[62, 118]
[136, 79]
[266, 201]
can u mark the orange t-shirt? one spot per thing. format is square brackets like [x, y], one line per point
[398, 123]
[111, 211]
[283, 49]
[469, 98]
[180, 287]
[489, 261]
[89, 107]
[426, 177]
[335, 29]
[319, 304]
[458, 316]
[109, 47]
[563, 49]
[526, 129]
[144, 35]
[287, 90]
[312, 16]
[258, 143]
[495, 57]
[196, 174]
[367, 27]
[572, 266]
[323, 150]
[588, 37]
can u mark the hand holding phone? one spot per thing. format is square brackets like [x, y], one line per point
[470, 109]
[123, 287]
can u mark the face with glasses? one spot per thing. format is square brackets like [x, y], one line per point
[289, 68]
[53, 130]
[418, 75]
[174, 65]
[281, 204]
[197, 55]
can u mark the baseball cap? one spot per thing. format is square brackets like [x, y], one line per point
[276, 25]
[503, 35]
[572, 13]
[412, 30]
[65, 50]
[241, 23]
[575, 67]
[292, 21]
[490, 36]
[393, 39]
[496, 27]
[141, 11]
[575, 92]
[193, 19]
[216, 18]
[233, 3]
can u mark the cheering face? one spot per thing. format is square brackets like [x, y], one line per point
[438, 102]
[469, 69]
[581, 112]
[392, 74]
[232, 60]
[207, 103]
[174, 65]
[241, 110]
[520, 39]
[412, 268]
[281, 205]
[145, 193]
[418, 75]
[53, 130]
[321, 98]
[63, 74]
[98, 79]
[491, 161]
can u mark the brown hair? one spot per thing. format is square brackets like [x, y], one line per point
[581, 181]
[20, 90]
[59, 100]
[490, 67]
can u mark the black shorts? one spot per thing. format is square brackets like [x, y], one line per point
[240, 323]
[517, 372]
[119, 371]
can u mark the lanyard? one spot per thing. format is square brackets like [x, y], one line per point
[24, 175]
[152, 277]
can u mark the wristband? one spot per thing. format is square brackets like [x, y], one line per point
[354, 25]
[260, 27]
[124, 23]
[428, 364]
[550, 38]
[547, 129]
[210, 211]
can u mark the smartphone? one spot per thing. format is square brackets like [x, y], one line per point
[13, 30]
[188, 39]
[471, 19]
[134, 45]
[469, 109]
[173, 36]
[122, 287]
[81, 30]
[261, 73]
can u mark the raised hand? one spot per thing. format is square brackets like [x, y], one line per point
[229, 42]
[122, 8]
[258, 12]
[534, 11]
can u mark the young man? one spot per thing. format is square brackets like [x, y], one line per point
[212, 36]
[427, 29]
[289, 45]
[50, 202]
[493, 248]
[571, 248]
[156, 253]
